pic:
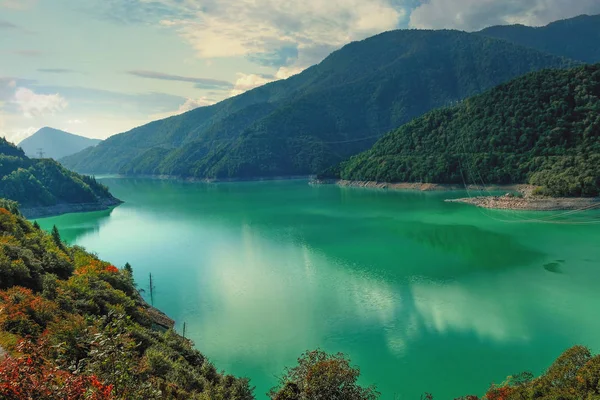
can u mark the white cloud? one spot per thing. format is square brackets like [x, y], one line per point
[246, 82]
[32, 104]
[17, 135]
[17, 4]
[75, 121]
[230, 28]
[473, 15]
[188, 105]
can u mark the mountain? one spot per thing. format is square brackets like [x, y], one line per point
[45, 184]
[576, 38]
[55, 143]
[543, 128]
[320, 117]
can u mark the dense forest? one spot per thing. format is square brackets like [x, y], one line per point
[75, 327]
[44, 182]
[543, 129]
[576, 38]
[320, 117]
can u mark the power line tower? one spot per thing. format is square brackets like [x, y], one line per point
[40, 152]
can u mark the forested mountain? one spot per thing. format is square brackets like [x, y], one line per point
[55, 143]
[322, 116]
[576, 38]
[543, 128]
[44, 182]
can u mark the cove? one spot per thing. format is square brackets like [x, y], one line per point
[423, 295]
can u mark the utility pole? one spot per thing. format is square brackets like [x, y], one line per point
[40, 152]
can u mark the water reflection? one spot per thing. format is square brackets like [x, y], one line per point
[74, 227]
[418, 294]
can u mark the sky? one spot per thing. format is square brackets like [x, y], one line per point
[101, 67]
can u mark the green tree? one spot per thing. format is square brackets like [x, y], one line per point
[319, 375]
[56, 236]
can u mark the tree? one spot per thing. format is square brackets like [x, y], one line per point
[56, 237]
[319, 375]
[36, 225]
[129, 271]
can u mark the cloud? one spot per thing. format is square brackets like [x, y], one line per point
[473, 15]
[246, 82]
[87, 100]
[32, 104]
[18, 135]
[75, 121]
[28, 53]
[269, 32]
[202, 83]
[267, 28]
[188, 105]
[7, 25]
[18, 4]
[57, 71]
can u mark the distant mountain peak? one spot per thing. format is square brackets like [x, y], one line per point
[55, 143]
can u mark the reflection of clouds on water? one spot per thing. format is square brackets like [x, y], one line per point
[452, 308]
[277, 282]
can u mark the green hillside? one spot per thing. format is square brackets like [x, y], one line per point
[44, 182]
[322, 116]
[576, 38]
[543, 128]
[75, 327]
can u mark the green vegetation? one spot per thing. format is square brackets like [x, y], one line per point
[319, 375]
[576, 38]
[575, 375]
[543, 128]
[75, 327]
[44, 182]
[331, 111]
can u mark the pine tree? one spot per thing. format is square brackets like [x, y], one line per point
[36, 225]
[56, 237]
[129, 270]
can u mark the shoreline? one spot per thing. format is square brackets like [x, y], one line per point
[422, 187]
[67, 208]
[204, 180]
[529, 203]
[523, 201]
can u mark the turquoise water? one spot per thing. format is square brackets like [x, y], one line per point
[423, 295]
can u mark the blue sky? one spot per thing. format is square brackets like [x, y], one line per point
[101, 67]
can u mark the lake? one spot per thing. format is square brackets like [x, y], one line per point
[423, 295]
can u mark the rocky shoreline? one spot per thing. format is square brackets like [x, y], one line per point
[530, 203]
[423, 187]
[517, 197]
[65, 208]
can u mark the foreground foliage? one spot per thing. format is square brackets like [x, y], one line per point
[76, 328]
[319, 375]
[575, 375]
[543, 129]
[44, 182]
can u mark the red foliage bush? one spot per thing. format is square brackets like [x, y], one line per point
[31, 376]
